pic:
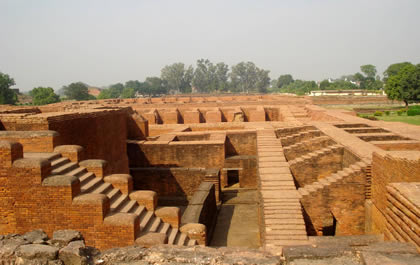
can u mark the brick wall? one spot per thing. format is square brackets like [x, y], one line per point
[169, 182]
[29, 200]
[389, 167]
[32, 141]
[343, 200]
[206, 154]
[241, 143]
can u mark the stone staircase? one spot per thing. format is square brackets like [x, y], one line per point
[337, 177]
[280, 206]
[119, 202]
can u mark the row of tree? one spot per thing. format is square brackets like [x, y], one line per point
[206, 77]
[401, 81]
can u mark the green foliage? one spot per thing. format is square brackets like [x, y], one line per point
[114, 91]
[177, 77]
[405, 85]
[369, 70]
[378, 113]
[156, 86]
[43, 96]
[400, 112]
[284, 80]
[300, 87]
[413, 111]
[128, 92]
[247, 77]
[387, 112]
[337, 85]
[394, 69]
[7, 95]
[77, 91]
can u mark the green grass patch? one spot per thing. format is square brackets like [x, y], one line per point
[403, 118]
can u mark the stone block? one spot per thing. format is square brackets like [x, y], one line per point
[170, 215]
[195, 231]
[123, 182]
[147, 198]
[72, 152]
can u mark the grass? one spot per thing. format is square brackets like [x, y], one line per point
[403, 118]
[415, 120]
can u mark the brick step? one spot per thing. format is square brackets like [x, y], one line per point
[286, 237]
[77, 172]
[300, 136]
[102, 188]
[59, 162]
[280, 243]
[314, 154]
[281, 232]
[64, 169]
[153, 224]
[285, 227]
[127, 208]
[274, 188]
[164, 228]
[145, 219]
[87, 187]
[112, 194]
[333, 178]
[85, 178]
[282, 207]
[286, 216]
[118, 202]
[173, 232]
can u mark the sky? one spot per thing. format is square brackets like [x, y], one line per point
[101, 42]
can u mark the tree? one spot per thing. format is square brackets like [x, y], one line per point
[300, 87]
[405, 85]
[43, 96]
[263, 80]
[369, 70]
[156, 86]
[284, 80]
[222, 77]
[204, 79]
[77, 91]
[128, 92]
[7, 95]
[324, 85]
[393, 69]
[244, 77]
[178, 77]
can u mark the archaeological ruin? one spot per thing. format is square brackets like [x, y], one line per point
[258, 171]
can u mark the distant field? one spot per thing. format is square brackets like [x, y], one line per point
[403, 118]
[364, 106]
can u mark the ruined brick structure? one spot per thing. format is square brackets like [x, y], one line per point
[152, 171]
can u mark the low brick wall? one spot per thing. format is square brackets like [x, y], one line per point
[32, 141]
[202, 208]
[403, 213]
[389, 167]
[168, 182]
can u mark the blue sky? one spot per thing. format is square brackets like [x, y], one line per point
[100, 42]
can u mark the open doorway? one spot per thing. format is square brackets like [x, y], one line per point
[233, 177]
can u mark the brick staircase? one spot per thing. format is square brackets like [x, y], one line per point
[300, 136]
[316, 154]
[333, 178]
[307, 146]
[119, 202]
[280, 206]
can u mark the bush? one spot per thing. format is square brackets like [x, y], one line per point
[378, 113]
[414, 107]
[372, 118]
[413, 112]
[387, 112]
[400, 112]
[403, 110]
